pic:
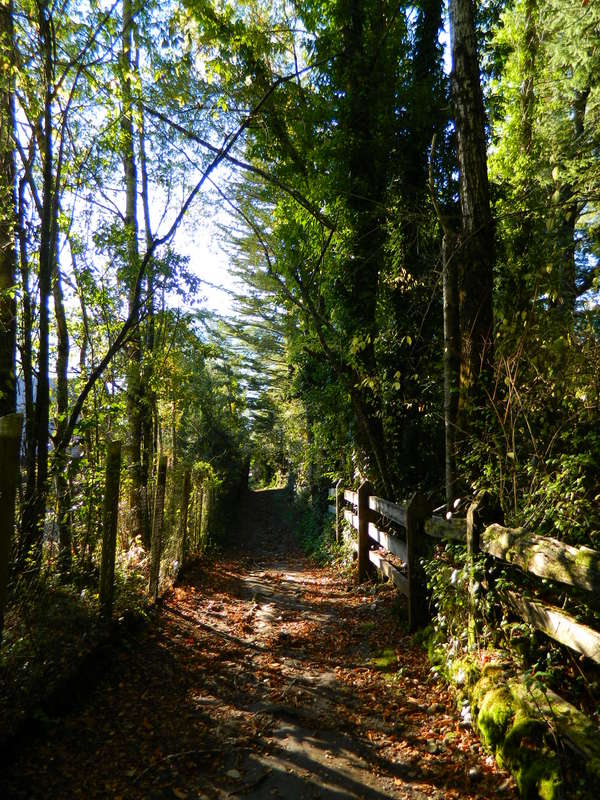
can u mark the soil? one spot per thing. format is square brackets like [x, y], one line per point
[261, 676]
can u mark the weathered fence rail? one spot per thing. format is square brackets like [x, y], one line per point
[399, 531]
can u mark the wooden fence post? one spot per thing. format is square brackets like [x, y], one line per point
[10, 446]
[156, 548]
[338, 510]
[199, 513]
[417, 511]
[185, 504]
[364, 516]
[473, 550]
[109, 527]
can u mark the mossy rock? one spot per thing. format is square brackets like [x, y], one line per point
[494, 716]
[464, 672]
[487, 683]
[536, 768]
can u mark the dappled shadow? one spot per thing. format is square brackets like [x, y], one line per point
[256, 680]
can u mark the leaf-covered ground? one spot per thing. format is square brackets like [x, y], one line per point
[263, 677]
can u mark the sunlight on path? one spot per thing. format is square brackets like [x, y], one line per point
[258, 680]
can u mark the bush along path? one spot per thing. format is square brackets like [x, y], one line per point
[262, 677]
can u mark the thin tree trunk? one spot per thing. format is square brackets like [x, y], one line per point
[26, 349]
[134, 388]
[149, 399]
[157, 528]
[34, 513]
[109, 527]
[10, 445]
[183, 521]
[451, 361]
[8, 258]
[61, 465]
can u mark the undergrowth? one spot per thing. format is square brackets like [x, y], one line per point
[316, 534]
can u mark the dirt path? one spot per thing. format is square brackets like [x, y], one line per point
[258, 680]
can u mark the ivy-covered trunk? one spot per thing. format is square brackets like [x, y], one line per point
[367, 123]
[476, 239]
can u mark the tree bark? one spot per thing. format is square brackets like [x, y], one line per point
[157, 529]
[61, 464]
[8, 258]
[10, 445]
[476, 241]
[134, 387]
[109, 527]
[35, 511]
[451, 361]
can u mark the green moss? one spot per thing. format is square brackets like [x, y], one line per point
[387, 661]
[535, 767]
[538, 775]
[464, 672]
[495, 714]
[523, 727]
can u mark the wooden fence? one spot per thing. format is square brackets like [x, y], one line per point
[394, 537]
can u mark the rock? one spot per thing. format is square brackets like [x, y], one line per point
[233, 773]
[474, 774]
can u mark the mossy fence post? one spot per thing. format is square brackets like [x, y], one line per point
[183, 520]
[339, 493]
[417, 511]
[109, 527]
[364, 517]
[10, 446]
[198, 515]
[473, 550]
[157, 526]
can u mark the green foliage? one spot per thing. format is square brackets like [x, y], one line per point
[448, 580]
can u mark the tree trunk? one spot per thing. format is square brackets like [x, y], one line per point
[367, 120]
[61, 465]
[26, 350]
[183, 520]
[10, 446]
[149, 398]
[451, 361]
[109, 527]
[476, 241]
[8, 258]
[157, 529]
[34, 512]
[134, 386]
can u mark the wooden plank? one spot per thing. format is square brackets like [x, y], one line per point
[351, 518]
[558, 625]
[331, 510]
[399, 580]
[442, 528]
[389, 510]
[391, 543]
[351, 497]
[544, 557]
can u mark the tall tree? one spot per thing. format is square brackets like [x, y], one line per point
[476, 237]
[7, 213]
[134, 349]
